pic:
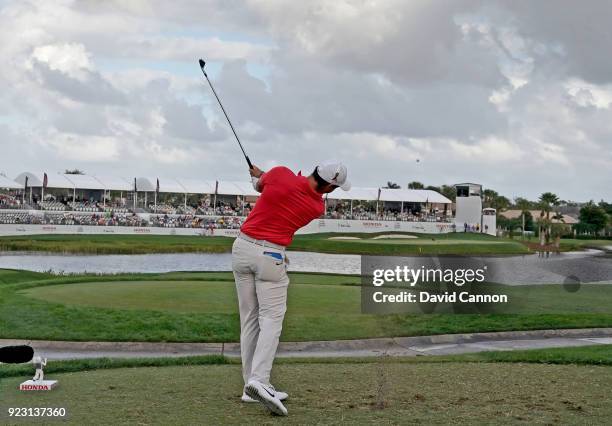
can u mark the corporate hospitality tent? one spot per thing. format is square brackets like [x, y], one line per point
[7, 183]
[413, 196]
[166, 185]
[361, 194]
[197, 186]
[75, 182]
[236, 188]
[35, 179]
[388, 195]
[113, 183]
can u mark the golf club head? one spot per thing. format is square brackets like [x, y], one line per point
[202, 64]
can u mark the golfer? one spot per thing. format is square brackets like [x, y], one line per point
[287, 203]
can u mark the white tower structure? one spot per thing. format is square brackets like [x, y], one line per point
[489, 221]
[468, 213]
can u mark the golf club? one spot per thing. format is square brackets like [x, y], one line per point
[202, 64]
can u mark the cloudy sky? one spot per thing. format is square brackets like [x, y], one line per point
[514, 95]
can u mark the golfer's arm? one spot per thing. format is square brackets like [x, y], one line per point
[256, 174]
[256, 183]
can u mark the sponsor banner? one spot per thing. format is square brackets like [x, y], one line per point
[316, 226]
[343, 225]
[6, 230]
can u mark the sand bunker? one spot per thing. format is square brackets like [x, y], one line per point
[344, 238]
[389, 236]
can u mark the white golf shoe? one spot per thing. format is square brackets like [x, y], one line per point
[280, 395]
[266, 395]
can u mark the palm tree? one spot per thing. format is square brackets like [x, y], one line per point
[488, 197]
[523, 205]
[547, 201]
[449, 192]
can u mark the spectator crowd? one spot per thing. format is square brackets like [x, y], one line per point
[208, 212]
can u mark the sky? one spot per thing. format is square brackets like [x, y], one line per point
[514, 95]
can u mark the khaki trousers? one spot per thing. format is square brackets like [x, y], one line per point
[261, 279]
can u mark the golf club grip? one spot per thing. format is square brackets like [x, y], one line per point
[249, 161]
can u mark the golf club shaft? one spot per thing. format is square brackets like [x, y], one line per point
[227, 117]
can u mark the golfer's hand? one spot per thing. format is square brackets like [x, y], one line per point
[255, 171]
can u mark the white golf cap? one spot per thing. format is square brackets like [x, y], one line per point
[336, 174]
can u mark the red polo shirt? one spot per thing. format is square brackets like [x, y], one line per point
[287, 203]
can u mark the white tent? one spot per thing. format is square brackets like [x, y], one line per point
[84, 182]
[165, 185]
[54, 180]
[241, 188]
[236, 188]
[196, 186]
[413, 196]
[430, 196]
[364, 194]
[9, 183]
[112, 183]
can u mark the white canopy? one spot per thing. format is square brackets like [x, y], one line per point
[9, 183]
[432, 196]
[112, 183]
[54, 180]
[165, 185]
[60, 180]
[196, 186]
[84, 182]
[364, 194]
[413, 196]
[236, 188]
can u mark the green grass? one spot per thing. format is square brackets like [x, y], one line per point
[202, 307]
[585, 355]
[307, 296]
[383, 392]
[210, 297]
[460, 243]
[425, 244]
[573, 244]
[580, 355]
[115, 244]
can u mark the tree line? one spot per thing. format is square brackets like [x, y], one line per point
[595, 219]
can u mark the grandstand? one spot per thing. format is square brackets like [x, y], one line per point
[77, 199]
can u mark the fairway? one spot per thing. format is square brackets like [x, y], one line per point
[366, 243]
[333, 393]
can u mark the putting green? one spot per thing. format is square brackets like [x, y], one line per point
[211, 297]
[333, 393]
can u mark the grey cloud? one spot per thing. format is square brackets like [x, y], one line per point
[94, 90]
[582, 29]
[315, 98]
[338, 83]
